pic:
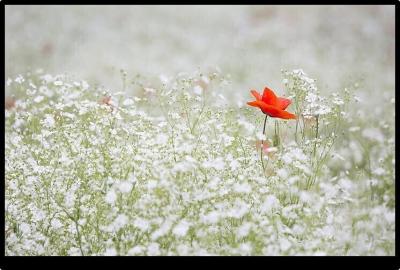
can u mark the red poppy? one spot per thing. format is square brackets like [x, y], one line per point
[272, 105]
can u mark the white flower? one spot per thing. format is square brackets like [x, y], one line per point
[234, 165]
[211, 217]
[164, 78]
[182, 249]
[120, 221]
[346, 184]
[56, 224]
[245, 248]
[135, 250]
[125, 187]
[181, 229]
[25, 228]
[248, 127]
[338, 101]
[282, 173]
[48, 121]
[305, 197]
[162, 124]
[110, 252]
[354, 129]
[69, 199]
[287, 158]
[142, 224]
[244, 230]
[161, 139]
[373, 134]
[389, 217]
[128, 102]
[149, 90]
[47, 78]
[284, 244]
[111, 197]
[165, 227]
[217, 164]
[261, 136]
[270, 202]
[242, 188]
[74, 251]
[379, 171]
[38, 99]
[19, 79]
[151, 184]
[197, 90]
[153, 249]
[30, 180]
[85, 85]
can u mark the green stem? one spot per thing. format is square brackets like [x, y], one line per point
[316, 137]
[262, 143]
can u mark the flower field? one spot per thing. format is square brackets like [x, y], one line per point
[235, 130]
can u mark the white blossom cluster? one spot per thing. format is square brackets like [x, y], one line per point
[175, 171]
[305, 90]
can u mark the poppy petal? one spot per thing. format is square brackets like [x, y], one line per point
[274, 111]
[286, 115]
[269, 97]
[256, 94]
[283, 103]
[254, 103]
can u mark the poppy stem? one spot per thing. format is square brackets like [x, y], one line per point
[262, 143]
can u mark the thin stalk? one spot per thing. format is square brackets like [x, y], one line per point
[262, 143]
[276, 136]
[316, 136]
[370, 176]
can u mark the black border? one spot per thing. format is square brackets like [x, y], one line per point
[375, 262]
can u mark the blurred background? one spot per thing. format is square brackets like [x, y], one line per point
[334, 44]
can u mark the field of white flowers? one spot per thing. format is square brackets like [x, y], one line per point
[127, 130]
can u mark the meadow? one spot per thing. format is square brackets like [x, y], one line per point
[128, 130]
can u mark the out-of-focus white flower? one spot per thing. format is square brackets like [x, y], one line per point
[198, 90]
[38, 99]
[111, 197]
[56, 224]
[244, 230]
[211, 217]
[270, 202]
[49, 121]
[153, 249]
[135, 250]
[373, 134]
[125, 187]
[128, 102]
[242, 188]
[245, 248]
[142, 224]
[110, 252]
[182, 228]
[120, 221]
[284, 244]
